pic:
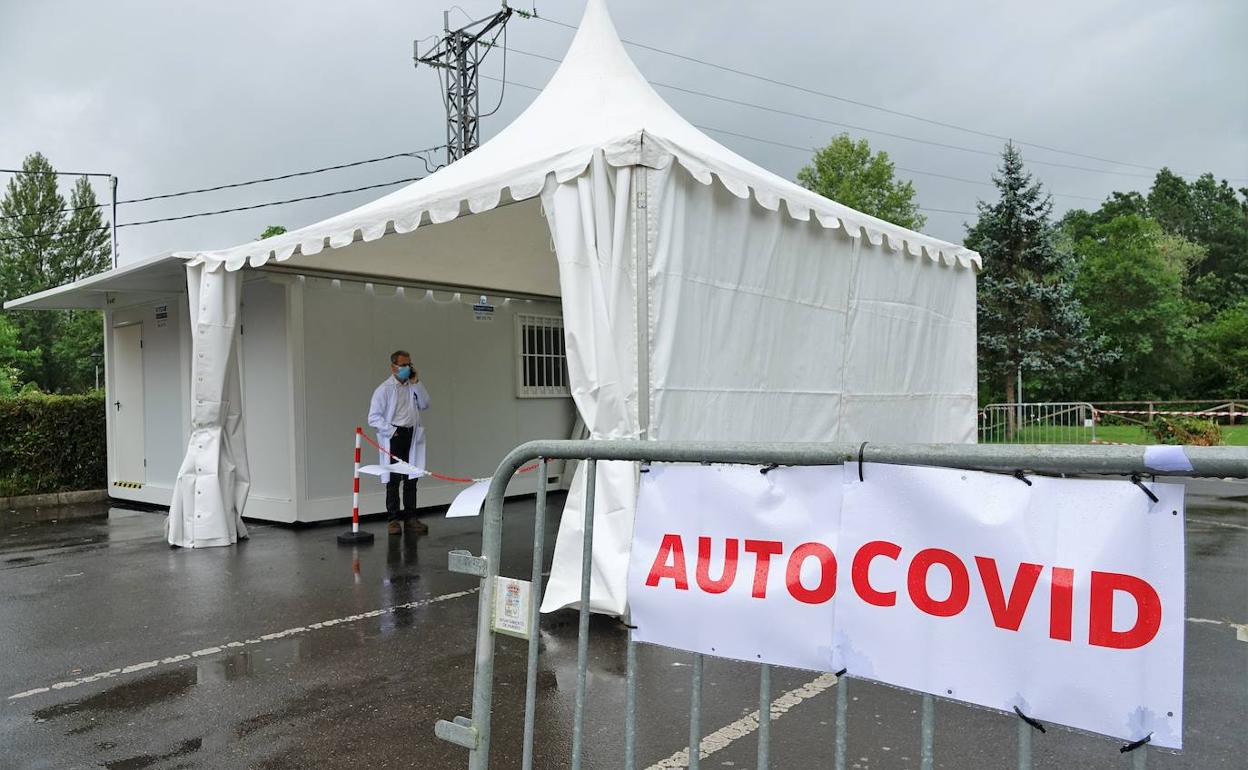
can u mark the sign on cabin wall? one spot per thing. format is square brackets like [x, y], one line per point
[483, 310]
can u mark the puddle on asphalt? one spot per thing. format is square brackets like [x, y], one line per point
[141, 761]
[23, 561]
[72, 528]
[127, 696]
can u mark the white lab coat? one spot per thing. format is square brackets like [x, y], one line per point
[381, 418]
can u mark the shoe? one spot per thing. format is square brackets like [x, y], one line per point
[417, 527]
[395, 528]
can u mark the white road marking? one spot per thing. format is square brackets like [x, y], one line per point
[726, 735]
[1213, 523]
[235, 644]
[1241, 629]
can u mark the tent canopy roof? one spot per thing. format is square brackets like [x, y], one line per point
[597, 101]
[148, 279]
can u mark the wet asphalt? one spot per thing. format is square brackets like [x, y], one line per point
[231, 657]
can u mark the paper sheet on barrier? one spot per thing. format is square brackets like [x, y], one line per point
[398, 466]
[985, 617]
[468, 502]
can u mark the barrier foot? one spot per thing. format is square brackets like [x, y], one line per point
[355, 538]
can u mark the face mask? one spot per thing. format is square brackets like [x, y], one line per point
[404, 373]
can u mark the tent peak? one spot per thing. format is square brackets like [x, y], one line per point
[597, 103]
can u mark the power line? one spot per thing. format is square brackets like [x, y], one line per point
[839, 124]
[64, 233]
[292, 175]
[52, 173]
[867, 105]
[271, 203]
[809, 149]
[418, 154]
[799, 148]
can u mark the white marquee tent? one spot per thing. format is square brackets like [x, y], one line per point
[703, 297]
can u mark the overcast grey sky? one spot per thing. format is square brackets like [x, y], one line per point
[172, 96]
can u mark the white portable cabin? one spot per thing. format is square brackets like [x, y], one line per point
[702, 297]
[311, 350]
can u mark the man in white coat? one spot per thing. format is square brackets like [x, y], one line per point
[395, 414]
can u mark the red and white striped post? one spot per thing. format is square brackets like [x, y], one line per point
[355, 536]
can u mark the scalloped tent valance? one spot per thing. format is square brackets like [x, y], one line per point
[597, 102]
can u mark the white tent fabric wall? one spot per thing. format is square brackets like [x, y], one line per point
[748, 314]
[910, 368]
[213, 482]
[760, 327]
[593, 222]
[770, 312]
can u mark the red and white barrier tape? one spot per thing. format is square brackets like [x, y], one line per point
[1159, 413]
[359, 432]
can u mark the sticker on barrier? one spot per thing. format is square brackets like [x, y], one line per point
[512, 605]
[1061, 599]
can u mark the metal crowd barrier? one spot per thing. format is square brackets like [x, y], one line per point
[474, 733]
[1059, 422]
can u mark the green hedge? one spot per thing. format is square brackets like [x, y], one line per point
[52, 444]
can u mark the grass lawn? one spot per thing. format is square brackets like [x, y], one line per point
[1234, 435]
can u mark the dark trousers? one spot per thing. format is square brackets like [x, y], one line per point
[400, 447]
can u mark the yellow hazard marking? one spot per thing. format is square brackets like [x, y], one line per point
[128, 484]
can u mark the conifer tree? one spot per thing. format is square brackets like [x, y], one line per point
[31, 216]
[1029, 317]
[45, 243]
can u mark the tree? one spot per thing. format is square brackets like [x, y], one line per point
[13, 360]
[40, 247]
[1213, 215]
[1220, 361]
[847, 172]
[1029, 317]
[1170, 203]
[31, 215]
[1078, 224]
[1220, 224]
[86, 248]
[1130, 282]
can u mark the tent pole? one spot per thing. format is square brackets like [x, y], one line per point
[641, 247]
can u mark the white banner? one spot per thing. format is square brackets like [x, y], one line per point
[1063, 598]
[714, 553]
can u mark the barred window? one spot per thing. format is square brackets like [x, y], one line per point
[542, 366]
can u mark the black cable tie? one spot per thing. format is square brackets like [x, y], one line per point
[1133, 745]
[1018, 474]
[768, 468]
[840, 673]
[861, 448]
[1135, 479]
[1033, 722]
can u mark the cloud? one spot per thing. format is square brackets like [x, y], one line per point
[174, 96]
